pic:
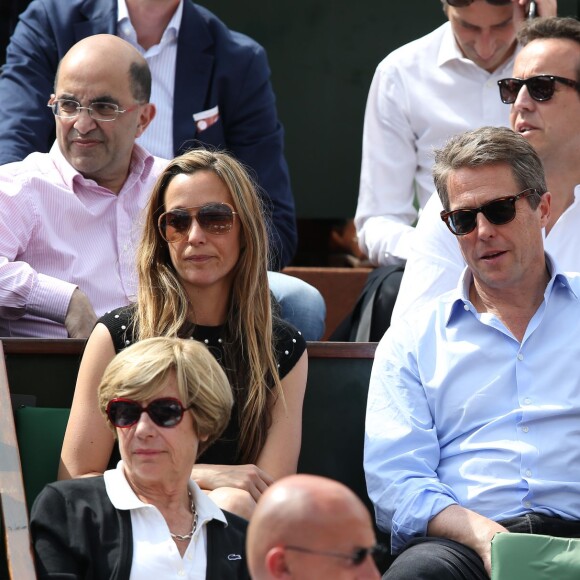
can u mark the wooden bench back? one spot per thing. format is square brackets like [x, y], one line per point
[340, 288]
[334, 405]
[19, 558]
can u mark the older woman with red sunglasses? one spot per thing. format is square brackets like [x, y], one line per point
[202, 266]
[165, 400]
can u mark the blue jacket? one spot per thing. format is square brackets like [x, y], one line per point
[215, 66]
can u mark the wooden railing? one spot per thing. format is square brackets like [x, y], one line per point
[13, 503]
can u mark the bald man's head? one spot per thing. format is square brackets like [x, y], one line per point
[116, 52]
[315, 513]
[111, 83]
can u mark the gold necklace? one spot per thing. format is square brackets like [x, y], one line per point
[185, 537]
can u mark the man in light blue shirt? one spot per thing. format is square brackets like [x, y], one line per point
[474, 404]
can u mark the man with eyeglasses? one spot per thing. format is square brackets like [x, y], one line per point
[421, 94]
[544, 97]
[211, 87]
[308, 527]
[69, 218]
[474, 401]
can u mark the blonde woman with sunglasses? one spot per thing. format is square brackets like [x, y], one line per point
[202, 266]
[165, 400]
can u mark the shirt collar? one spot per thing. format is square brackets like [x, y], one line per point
[139, 168]
[460, 296]
[171, 31]
[449, 51]
[123, 497]
[68, 173]
[556, 276]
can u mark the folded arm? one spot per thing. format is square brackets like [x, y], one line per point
[279, 456]
[23, 289]
[385, 212]
[466, 527]
[435, 264]
[402, 451]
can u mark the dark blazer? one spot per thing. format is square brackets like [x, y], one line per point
[215, 66]
[78, 534]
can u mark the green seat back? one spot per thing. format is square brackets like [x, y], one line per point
[333, 421]
[534, 557]
[40, 432]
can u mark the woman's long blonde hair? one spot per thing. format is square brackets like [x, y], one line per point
[163, 305]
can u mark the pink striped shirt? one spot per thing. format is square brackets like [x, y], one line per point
[58, 231]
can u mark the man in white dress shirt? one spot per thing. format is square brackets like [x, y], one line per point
[421, 94]
[552, 126]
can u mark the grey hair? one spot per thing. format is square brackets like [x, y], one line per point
[488, 146]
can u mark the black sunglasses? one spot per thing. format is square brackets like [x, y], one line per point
[214, 218]
[165, 412]
[498, 212]
[378, 552]
[463, 3]
[541, 87]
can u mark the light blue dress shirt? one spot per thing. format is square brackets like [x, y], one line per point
[460, 412]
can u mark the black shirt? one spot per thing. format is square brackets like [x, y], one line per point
[289, 345]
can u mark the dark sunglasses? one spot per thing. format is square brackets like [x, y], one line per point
[165, 412]
[498, 212]
[463, 3]
[214, 218]
[378, 552]
[541, 88]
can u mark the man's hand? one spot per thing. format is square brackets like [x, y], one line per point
[80, 317]
[544, 8]
[467, 527]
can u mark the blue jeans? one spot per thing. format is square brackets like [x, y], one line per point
[302, 305]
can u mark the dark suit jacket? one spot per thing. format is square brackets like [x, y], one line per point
[215, 66]
[78, 534]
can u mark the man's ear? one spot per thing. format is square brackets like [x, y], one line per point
[544, 207]
[276, 562]
[146, 115]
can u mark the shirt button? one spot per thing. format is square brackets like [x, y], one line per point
[527, 401]
[528, 473]
[466, 307]
[181, 573]
[527, 504]
[520, 356]
[525, 429]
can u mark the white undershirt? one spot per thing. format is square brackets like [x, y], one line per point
[161, 58]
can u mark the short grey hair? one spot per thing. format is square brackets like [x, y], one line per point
[487, 146]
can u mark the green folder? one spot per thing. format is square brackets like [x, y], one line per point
[534, 557]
